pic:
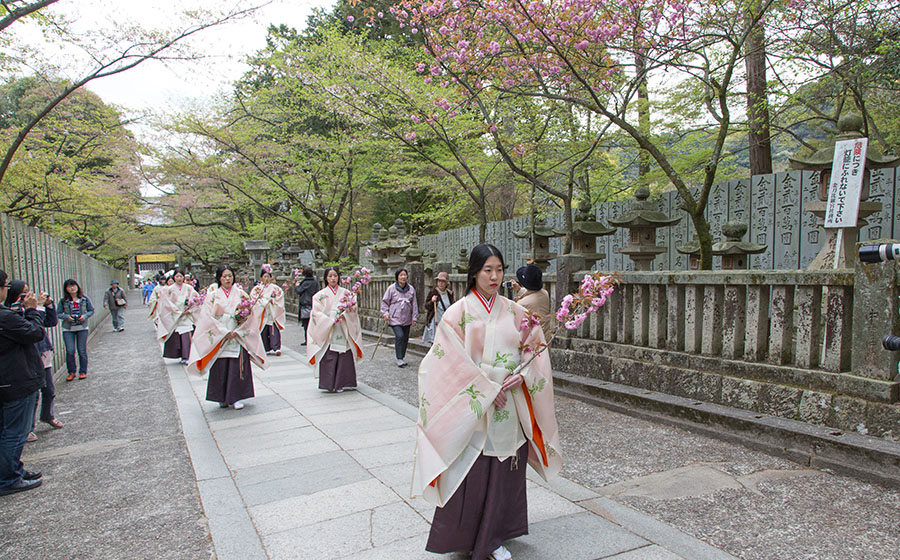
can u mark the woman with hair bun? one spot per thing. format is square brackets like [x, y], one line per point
[480, 420]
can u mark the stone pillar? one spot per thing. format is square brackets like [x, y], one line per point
[417, 281]
[875, 294]
[566, 265]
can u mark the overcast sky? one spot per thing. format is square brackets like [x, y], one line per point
[165, 87]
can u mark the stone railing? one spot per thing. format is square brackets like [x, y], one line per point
[794, 344]
[772, 318]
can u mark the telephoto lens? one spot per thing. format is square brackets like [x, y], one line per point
[891, 342]
[879, 253]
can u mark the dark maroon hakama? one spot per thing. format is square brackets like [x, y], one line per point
[227, 382]
[488, 508]
[337, 371]
[178, 346]
[271, 337]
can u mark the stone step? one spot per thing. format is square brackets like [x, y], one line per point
[849, 453]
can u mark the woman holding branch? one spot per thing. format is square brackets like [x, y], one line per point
[271, 300]
[227, 341]
[334, 337]
[486, 407]
[175, 318]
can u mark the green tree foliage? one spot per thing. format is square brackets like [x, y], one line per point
[76, 177]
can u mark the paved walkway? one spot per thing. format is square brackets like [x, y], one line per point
[146, 468]
[300, 473]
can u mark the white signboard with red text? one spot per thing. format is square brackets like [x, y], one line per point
[847, 172]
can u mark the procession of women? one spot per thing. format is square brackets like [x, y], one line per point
[485, 383]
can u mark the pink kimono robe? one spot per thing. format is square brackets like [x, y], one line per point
[215, 320]
[270, 299]
[321, 325]
[171, 311]
[475, 348]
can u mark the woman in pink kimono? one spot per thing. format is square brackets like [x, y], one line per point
[270, 299]
[225, 345]
[480, 419]
[334, 337]
[175, 318]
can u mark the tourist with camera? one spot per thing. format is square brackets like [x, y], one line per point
[531, 293]
[21, 375]
[74, 310]
[18, 291]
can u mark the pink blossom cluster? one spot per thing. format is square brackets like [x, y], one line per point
[359, 278]
[513, 43]
[592, 294]
[266, 267]
[530, 321]
[243, 310]
[195, 301]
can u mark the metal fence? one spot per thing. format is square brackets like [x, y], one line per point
[44, 263]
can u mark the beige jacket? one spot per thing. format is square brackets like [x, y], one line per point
[538, 303]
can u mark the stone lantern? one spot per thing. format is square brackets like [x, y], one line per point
[585, 231]
[733, 251]
[642, 222]
[692, 250]
[413, 254]
[540, 235]
[257, 250]
[379, 236]
[391, 251]
[462, 262]
[849, 128]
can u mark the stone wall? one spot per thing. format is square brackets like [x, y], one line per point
[773, 206]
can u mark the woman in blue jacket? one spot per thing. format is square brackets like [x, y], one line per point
[74, 310]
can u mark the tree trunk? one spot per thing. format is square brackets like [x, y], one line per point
[507, 200]
[757, 101]
[704, 235]
[643, 109]
[482, 226]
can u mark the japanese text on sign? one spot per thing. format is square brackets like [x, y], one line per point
[847, 172]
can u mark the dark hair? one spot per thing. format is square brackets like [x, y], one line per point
[264, 271]
[176, 272]
[480, 255]
[71, 282]
[336, 271]
[222, 269]
[3, 278]
[16, 289]
[397, 274]
[307, 271]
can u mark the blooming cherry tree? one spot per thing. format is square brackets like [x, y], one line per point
[583, 52]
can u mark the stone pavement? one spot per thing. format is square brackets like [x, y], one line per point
[289, 473]
[300, 473]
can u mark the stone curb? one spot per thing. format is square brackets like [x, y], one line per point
[820, 447]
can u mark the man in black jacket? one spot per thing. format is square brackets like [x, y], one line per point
[21, 374]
